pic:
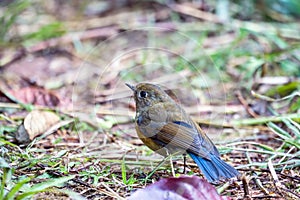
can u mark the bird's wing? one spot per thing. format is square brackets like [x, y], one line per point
[184, 136]
[168, 124]
[214, 150]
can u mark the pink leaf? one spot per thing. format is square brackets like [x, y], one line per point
[36, 96]
[182, 188]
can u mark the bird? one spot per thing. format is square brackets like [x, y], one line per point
[164, 126]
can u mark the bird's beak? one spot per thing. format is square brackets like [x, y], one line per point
[130, 86]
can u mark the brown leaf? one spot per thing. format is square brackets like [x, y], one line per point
[37, 122]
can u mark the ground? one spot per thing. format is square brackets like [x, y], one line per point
[67, 117]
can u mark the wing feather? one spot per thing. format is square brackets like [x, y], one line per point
[183, 137]
[170, 125]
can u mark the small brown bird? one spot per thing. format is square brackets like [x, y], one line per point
[165, 128]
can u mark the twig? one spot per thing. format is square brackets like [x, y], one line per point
[289, 151]
[245, 104]
[263, 120]
[172, 167]
[224, 187]
[91, 140]
[260, 185]
[260, 151]
[291, 177]
[266, 197]
[112, 193]
[245, 186]
[188, 10]
[266, 98]
[278, 184]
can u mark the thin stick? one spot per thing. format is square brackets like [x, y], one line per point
[112, 193]
[172, 166]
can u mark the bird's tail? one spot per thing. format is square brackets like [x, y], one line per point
[214, 169]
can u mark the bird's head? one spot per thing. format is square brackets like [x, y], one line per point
[147, 94]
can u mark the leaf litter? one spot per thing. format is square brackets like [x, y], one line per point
[96, 140]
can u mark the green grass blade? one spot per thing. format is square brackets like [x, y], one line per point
[279, 131]
[16, 188]
[123, 169]
[294, 143]
[263, 120]
[7, 173]
[6, 176]
[297, 125]
[291, 126]
[44, 186]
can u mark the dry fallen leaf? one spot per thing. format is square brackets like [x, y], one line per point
[36, 96]
[37, 122]
[182, 188]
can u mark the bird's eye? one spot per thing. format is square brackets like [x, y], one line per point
[143, 94]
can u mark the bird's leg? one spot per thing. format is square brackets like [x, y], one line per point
[184, 163]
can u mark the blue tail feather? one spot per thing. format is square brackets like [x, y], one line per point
[214, 169]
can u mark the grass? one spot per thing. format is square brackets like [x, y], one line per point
[204, 62]
[21, 189]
